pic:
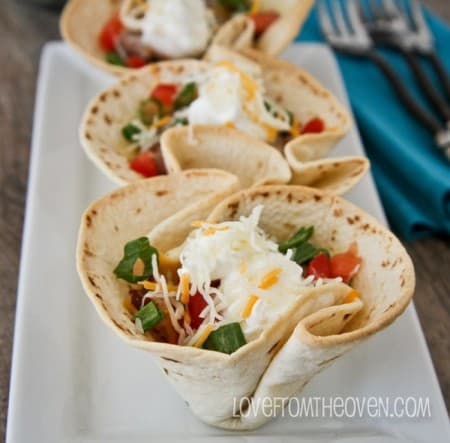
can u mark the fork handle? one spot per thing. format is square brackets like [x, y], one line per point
[408, 100]
[428, 88]
[440, 71]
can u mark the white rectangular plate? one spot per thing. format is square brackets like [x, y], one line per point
[73, 380]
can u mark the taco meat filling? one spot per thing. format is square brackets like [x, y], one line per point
[144, 31]
[227, 282]
[226, 94]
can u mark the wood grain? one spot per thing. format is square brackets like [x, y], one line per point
[23, 31]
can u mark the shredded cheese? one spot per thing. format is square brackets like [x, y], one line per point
[212, 230]
[197, 224]
[204, 336]
[256, 7]
[295, 127]
[184, 282]
[249, 306]
[152, 286]
[250, 86]
[351, 296]
[270, 279]
[162, 122]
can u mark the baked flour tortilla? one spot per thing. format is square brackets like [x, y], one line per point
[82, 21]
[101, 127]
[301, 343]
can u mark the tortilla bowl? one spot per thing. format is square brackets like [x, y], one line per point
[302, 342]
[101, 126]
[82, 21]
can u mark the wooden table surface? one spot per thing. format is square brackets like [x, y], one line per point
[23, 31]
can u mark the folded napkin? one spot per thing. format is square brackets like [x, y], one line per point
[412, 175]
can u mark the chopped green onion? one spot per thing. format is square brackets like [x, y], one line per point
[301, 236]
[129, 131]
[236, 5]
[291, 117]
[268, 106]
[114, 58]
[149, 316]
[180, 122]
[227, 339]
[136, 264]
[186, 96]
[149, 109]
[306, 252]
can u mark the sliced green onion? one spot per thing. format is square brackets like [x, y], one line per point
[236, 5]
[129, 131]
[149, 109]
[227, 339]
[149, 316]
[114, 58]
[186, 96]
[180, 122]
[136, 264]
[301, 236]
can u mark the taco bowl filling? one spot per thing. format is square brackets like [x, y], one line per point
[227, 283]
[224, 95]
[143, 31]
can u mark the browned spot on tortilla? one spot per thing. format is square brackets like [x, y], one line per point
[116, 228]
[350, 221]
[385, 263]
[116, 93]
[357, 218]
[299, 200]
[103, 97]
[161, 192]
[337, 212]
[88, 253]
[88, 220]
[98, 296]
[325, 362]
[402, 282]
[259, 164]
[170, 359]
[289, 197]
[88, 136]
[265, 194]
[166, 371]
[289, 226]
[389, 307]
[92, 281]
[366, 226]
[94, 212]
[118, 325]
[94, 110]
[347, 316]
[233, 208]
[317, 197]
[103, 149]
[107, 119]
[273, 347]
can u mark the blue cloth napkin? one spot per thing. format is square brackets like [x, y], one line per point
[412, 176]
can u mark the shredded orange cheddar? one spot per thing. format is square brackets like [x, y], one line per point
[249, 306]
[270, 279]
[152, 286]
[138, 267]
[187, 317]
[250, 86]
[162, 121]
[256, 7]
[197, 224]
[168, 266]
[185, 280]
[204, 336]
[351, 296]
[230, 125]
[295, 127]
[212, 230]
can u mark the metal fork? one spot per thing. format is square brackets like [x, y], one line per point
[350, 37]
[389, 24]
[412, 27]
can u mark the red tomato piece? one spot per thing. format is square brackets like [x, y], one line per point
[145, 164]
[165, 93]
[134, 61]
[319, 266]
[346, 264]
[110, 32]
[263, 20]
[315, 125]
[196, 305]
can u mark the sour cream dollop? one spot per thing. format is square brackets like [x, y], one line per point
[241, 256]
[230, 96]
[175, 28]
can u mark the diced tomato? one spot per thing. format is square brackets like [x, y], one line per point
[319, 266]
[110, 32]
[145, 164]
[315, 125]
[134, 61]
[196, 305]
[165, 93]
[263, 20]
[346, 264]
